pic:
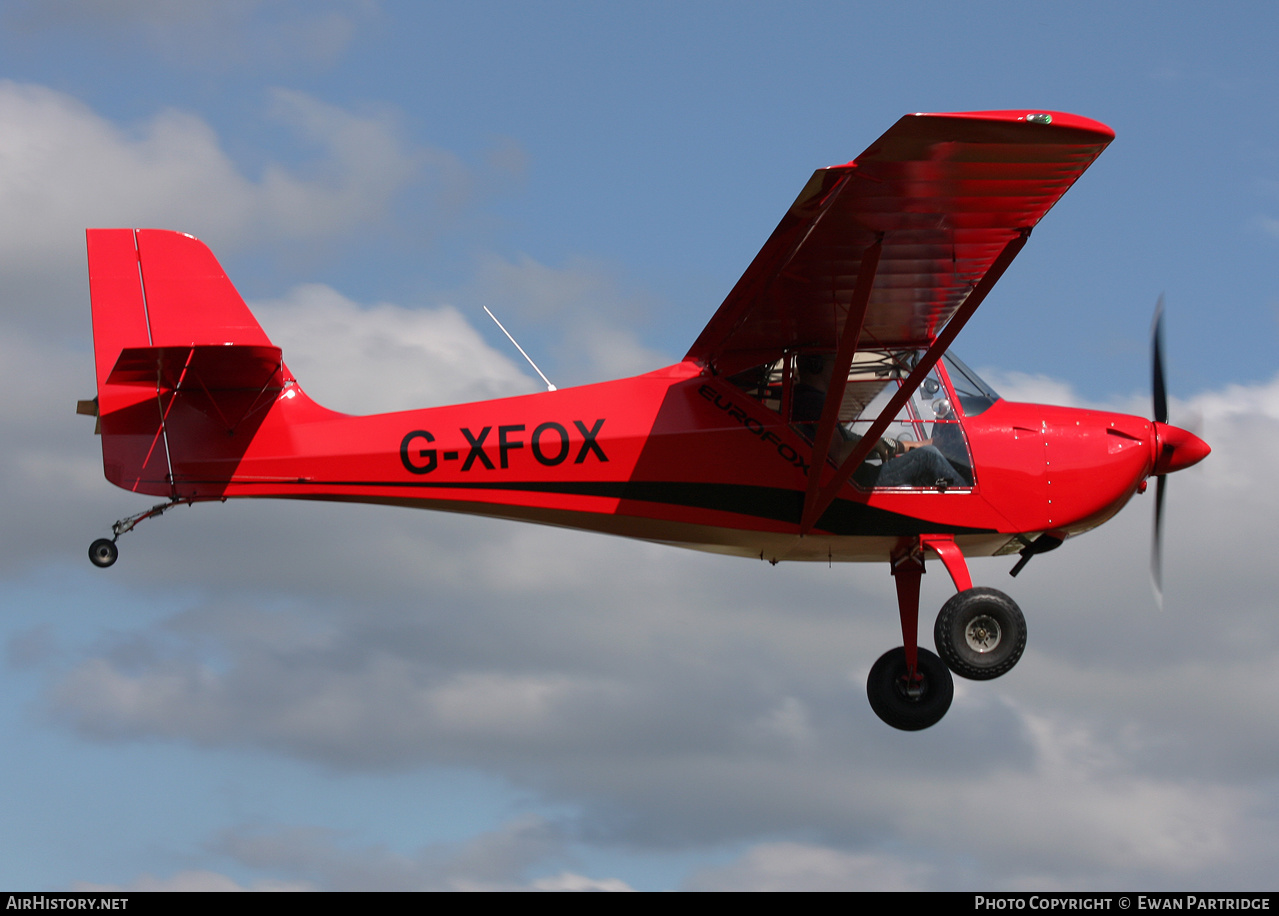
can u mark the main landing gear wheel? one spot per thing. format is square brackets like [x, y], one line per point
[904, 705]
[980, 633]
[103, 552]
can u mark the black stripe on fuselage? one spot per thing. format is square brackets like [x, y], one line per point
[844, 517]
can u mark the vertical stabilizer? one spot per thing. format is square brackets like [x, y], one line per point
[185, 373]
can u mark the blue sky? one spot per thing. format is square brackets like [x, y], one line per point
[269, 695]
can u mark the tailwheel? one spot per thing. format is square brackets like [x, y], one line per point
[909, 703]
[103, 552]
[980, 633]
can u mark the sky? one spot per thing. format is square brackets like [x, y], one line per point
[268, 695]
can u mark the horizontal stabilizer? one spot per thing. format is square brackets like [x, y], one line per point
[208, 367]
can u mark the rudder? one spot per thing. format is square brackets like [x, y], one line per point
[185, 373]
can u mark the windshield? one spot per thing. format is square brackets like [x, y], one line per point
[974, 394]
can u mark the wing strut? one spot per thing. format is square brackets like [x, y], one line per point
[843, 362]
[814, 506]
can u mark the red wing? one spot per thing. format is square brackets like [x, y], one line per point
[946, 191]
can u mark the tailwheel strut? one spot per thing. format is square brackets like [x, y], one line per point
[909, 687]
[103, 552]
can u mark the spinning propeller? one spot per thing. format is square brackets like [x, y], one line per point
[1175, 448]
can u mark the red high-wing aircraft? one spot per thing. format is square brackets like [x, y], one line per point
[817, 417]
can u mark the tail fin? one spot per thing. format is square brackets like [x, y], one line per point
[185, 373]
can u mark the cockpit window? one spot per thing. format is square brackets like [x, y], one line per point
[974, 395]
[765, 383]
[924, 447]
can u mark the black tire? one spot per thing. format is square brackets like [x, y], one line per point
[886, 690]
[102, 553]
[980, 633]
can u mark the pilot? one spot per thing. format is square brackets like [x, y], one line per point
[905, 463]
[948, 440]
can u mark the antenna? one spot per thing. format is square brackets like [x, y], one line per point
[549, 386]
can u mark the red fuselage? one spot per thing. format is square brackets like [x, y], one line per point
[676, 456]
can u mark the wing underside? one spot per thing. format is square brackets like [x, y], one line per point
[943, 194]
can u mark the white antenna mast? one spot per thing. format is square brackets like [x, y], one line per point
[549, 386]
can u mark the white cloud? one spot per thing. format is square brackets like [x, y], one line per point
[364, 163]
[219, 37]
[1269, 225]
[1098, 814]
[569, 881]
[66, 167]
[713, 700]
[600, 321]
[384, 358]
[50, 461]
[190, 881]
[1032, 389]
[806, 867]
[501, 859]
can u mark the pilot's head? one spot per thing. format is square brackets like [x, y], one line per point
[815, 369]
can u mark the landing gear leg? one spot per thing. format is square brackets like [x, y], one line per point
[103, 552]
[909, 687]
